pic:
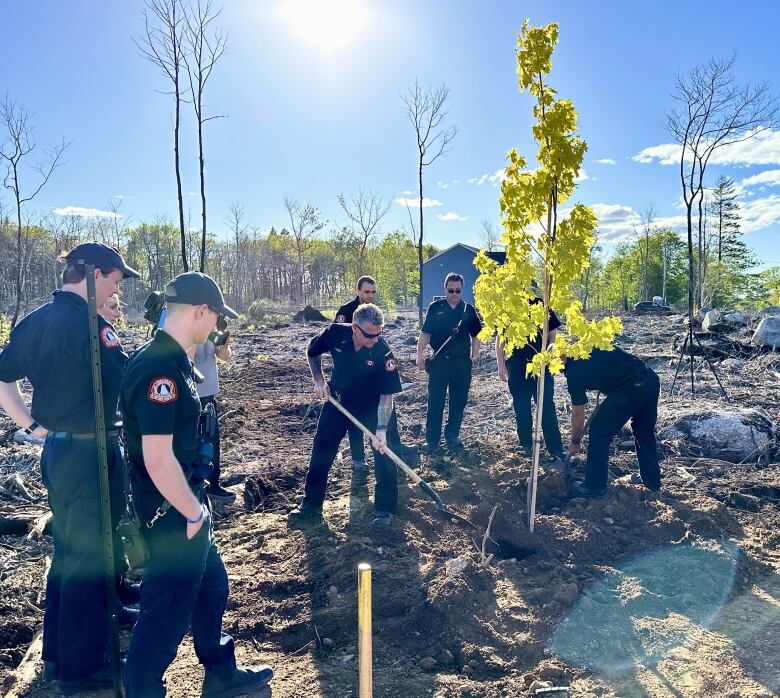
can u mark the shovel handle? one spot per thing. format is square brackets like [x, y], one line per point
[413, 476]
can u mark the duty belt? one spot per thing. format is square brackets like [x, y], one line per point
[90, 436]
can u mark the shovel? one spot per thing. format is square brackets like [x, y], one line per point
[413, 476]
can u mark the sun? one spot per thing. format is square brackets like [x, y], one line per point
[328, 24]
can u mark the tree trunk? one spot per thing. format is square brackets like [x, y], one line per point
[18, 254]
[202, 164]
[420, 245]
[178, 174]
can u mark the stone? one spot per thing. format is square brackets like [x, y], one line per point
[551, 671]
[427, 663]
[458, 565]
[309, 314]
[347, 658]
[467, 670]
[710, 321]
[539, 684]
[567, 594]
[767, 333]
[446, 657]
[770, 310]
[327, 642]
[701, 314]
[735, 318]
[736, 435]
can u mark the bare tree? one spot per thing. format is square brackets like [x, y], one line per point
[305, 223]
[364, 212]
[162, 45]
[18, 144]
[424, 108]
[205, 49]
[713, 112]
[648, 218]
[489, 235]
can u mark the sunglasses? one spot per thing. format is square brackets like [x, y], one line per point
[368, 335]
[454, 290]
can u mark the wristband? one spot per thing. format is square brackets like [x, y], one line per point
[198, 520]
[30, 429]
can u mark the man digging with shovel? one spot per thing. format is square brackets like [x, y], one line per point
[364, 379]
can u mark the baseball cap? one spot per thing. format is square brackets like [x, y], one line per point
[102, 256]
[195, 288]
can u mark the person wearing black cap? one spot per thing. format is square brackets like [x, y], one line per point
[51, 348]
[185, 584]
[364, 379]
[451, 327]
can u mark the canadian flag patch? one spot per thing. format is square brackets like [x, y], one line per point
[369, 362]
[340, 318]
[390, 365]
[109, 337]
[163, 390]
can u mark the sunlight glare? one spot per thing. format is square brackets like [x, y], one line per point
[329, 24]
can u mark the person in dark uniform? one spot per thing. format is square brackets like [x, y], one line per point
[185, 584]
[51, 348]
[631, 389]
[366, 293]
[451, 327]
[523, 389]
[364, 378]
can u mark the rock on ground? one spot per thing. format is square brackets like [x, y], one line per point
[767, 333]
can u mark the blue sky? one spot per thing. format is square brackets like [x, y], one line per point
[314, 109]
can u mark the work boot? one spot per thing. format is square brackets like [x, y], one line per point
[127, 616]
[237, 682]
[455, 446]
[359, 466]
[305, 515]
[220, 495]
[101, 680]
[129, 593]
[580, 489]
[382, 519]
[430, 449]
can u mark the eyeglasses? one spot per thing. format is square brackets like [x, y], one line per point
[368, 335]
[454, 290]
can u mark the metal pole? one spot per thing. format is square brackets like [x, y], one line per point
[364, 630]
[105, 496]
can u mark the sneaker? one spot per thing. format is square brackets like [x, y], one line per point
[430, 449]
[221, 495]
[305, 515]
[382, 519]
[101, 680]
[359, 466]
[580, 489]
[238, 682]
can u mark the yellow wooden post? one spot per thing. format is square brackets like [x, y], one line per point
[364, 630]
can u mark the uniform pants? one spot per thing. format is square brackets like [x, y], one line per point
[75, 622]
[453, 375]
[331, 429]
[356, 438]
[215, 472]
[184, 586]
[523, 389]
[638, 402]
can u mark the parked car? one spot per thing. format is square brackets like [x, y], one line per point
[651, 307]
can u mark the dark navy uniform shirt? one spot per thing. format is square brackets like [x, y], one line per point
[347, 310]
[357, 376]
[50, 347]
[605, 371]
[441, 320]
[520, 357]
[159, 397]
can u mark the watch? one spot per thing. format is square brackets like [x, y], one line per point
[30, 429]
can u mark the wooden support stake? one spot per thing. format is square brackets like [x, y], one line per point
[364, 630]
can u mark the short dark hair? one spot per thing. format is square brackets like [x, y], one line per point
[452, 276]
[75, 273]
[365, 280]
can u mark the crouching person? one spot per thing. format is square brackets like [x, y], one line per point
[185, 584]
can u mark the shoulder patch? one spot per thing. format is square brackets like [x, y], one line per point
[340, 318]
[390, 365]
[109, 337]
[163, 390]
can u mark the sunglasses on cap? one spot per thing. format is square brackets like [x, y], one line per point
[368, 335]
[454, 290]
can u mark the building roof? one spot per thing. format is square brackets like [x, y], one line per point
[499, 257]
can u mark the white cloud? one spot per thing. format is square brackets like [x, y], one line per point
[767, 177]
[761, 149]
[495, 178]
[415, 203]
[451, 216]
[443, 185]
[85, 212]
[615, 221]
[760, 213]
[606, 161]
[582, 175]
[406, 192]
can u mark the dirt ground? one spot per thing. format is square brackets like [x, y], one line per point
[672, 594]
